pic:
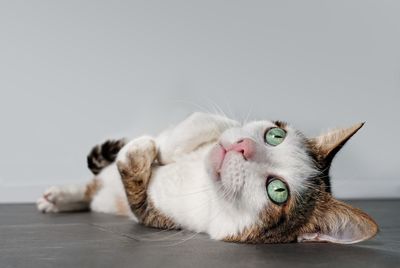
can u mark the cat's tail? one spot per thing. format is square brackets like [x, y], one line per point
[102, 155]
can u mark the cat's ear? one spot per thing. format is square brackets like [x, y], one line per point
[327, 145]
[336, 222]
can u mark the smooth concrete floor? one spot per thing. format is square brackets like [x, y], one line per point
[31, 239]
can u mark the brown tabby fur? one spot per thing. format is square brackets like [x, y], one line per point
[135, 177]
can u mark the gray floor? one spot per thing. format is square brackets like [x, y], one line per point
[31, 239]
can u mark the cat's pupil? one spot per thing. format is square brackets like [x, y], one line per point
[280, 190]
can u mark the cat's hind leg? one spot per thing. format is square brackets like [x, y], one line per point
[68, 198]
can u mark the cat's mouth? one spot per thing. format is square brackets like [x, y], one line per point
[220, 159]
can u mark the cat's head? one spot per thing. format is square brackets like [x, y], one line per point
[282, 177]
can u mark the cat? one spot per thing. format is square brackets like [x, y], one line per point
[260, 182]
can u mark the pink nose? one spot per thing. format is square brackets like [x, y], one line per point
[245, 146]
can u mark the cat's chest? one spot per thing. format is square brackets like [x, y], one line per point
[183, 190]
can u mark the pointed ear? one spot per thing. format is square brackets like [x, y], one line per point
[327, 145]
[336, 222]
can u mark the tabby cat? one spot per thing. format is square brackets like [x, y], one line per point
[261, 182]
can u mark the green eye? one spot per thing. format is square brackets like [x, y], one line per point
[277, 191]
[275, 136]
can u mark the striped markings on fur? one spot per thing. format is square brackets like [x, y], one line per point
[135, 170]
[329, 221]
[104, 154]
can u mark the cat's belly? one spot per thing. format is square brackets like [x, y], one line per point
[184, 192]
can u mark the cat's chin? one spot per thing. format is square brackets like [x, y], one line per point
[226, 171]
[229, 178]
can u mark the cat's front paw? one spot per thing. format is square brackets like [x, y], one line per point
[48, 202]
[135, 159]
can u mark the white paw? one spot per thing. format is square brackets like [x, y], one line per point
[54, 194]
[45, 206]
[48, 202]
[143, 146]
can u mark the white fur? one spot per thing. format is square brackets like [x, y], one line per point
[63, 198]
[185, 189]
[111, 192]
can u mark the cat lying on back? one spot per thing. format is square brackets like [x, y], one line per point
[262, 182]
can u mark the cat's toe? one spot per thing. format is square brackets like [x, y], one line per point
[45, 206]
[53, 194]
[48, 202]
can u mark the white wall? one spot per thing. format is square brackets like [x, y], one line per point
[73, 73]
